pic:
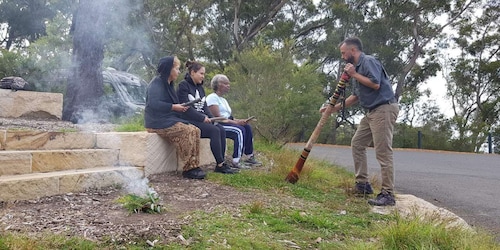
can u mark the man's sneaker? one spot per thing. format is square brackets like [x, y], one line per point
[225, 169]
[195, 173]
[239, 165]
[252, 162]
[383, 199]
[363, 188]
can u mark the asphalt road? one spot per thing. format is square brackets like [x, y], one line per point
[466, 184]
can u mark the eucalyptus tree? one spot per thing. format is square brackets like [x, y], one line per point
[267, 83]
[402, 34]
[128, 45]
[24, 21]
[85, 88]
[474, 81]
[46, 63]
[216, 31]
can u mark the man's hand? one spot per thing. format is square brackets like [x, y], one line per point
[350, 69]
[333, 109]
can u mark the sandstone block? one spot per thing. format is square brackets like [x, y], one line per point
[32, 186]
[15, 163]
[149, 150]
[30, 104]
[59, 160]
[100, 178]
[28, 187]
[38, 140]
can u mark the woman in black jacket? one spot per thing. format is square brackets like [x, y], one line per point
[162, 115]
[190, 89]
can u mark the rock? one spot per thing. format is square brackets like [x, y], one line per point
[410, 206]
[30, 104]
[15, 83]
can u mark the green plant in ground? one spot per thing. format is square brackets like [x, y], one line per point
[135, 204]
[68, 130]
[429, 233]
[131, 124]
[17, 241]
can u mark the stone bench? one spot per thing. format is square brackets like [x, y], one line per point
[138, 149]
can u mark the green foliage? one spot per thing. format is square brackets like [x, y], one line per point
[25, 20]
[48, 61]
[131, 124]
[475, 80]
[284, 97]
[417, 233]
[48, 241]
[136, 204]
[331, 214]
[9, 63]
[296, 40]
[433, 136]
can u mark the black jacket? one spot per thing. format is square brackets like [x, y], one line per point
[189, 91]
[159, 99]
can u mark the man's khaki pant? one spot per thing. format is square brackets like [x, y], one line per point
[377, 126]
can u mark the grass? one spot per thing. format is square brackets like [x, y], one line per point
[315, 213]
[131, 124]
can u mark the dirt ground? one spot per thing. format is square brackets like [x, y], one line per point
[96, 215]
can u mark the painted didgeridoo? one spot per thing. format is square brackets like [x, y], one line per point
[293, 176]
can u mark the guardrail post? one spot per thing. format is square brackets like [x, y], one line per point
[490, 144]
[419, 141]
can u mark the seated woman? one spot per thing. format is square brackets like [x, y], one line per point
[162, 115]
[190, 89]
[237, 130]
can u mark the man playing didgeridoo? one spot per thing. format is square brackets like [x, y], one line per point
[373, 91]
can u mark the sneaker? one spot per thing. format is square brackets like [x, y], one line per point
[195, 173]
[383, 199]
[252, 162]
[225, 169]
[239, 165]
[363, 188]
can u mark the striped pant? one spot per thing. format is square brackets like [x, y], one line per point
[242, 137]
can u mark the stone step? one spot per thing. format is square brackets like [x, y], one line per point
[35, 185]
[42, 161]
[35, 164]
[38, 140]
[140, 149]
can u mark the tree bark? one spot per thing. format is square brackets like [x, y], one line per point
[85, 85]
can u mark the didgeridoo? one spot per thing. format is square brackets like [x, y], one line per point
[293, 176]
[191, 102]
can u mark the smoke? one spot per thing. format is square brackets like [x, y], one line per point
[140, 187]
[49, 60]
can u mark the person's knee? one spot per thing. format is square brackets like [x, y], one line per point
[222, 132]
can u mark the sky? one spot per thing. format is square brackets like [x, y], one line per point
[437, 85]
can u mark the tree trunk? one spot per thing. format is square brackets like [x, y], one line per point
[85, 85]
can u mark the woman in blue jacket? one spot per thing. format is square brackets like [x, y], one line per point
[190, 89]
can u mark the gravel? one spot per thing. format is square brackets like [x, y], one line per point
[52, 125]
